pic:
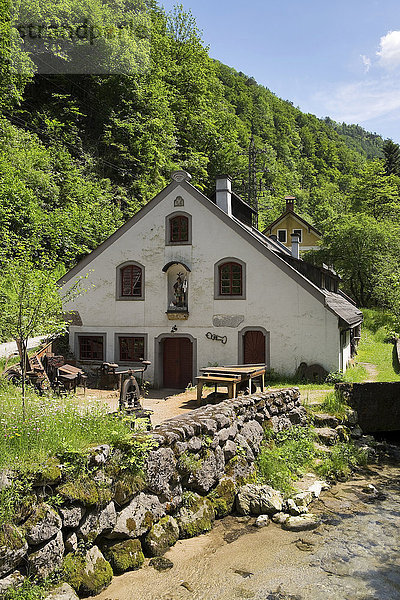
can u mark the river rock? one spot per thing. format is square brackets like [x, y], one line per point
[88, 574]
[71, 516]
[195, 517]
[161, 471]
[161, 536]
[262, 521]
[124, 556]
[13, 548]
[10, 582]
[43, 524]
[137, 518]
[279, 518]
[48, 558]
[303, 499]
[62, 592]
[97, 522]
[301, 523]
[258, 500]
[292, 508]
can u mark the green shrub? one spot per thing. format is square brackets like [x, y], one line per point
[341, 460]
[284, 456]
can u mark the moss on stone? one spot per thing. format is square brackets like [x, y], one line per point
[131, 524]
[196, 517]
[49, 473]
[85, 491]
[163, 535]
[125, 556]
[148, 520]
[223, 497]
[87, 582]
[11, 538]
[127, 486]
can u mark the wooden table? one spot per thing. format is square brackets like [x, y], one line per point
[230, 377]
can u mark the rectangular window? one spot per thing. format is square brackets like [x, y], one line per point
[299, 233]
[179, 229]
[230, 279]
[131, 281]
[91, 347]
[131, 349]
[282, 236]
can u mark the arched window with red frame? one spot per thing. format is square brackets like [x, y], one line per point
[179, 229]
[230, 279]
[131, 281]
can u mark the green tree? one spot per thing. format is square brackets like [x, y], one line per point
[360, 248]
[391, 153]
[30, 303]
[376, 193]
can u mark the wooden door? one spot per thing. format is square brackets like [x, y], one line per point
[253, 348]
[177, 362]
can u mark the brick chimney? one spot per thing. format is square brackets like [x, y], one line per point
[224, 193]
[290, 203]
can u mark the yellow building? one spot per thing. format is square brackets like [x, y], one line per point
[288, 223]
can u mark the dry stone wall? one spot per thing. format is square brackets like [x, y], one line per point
[110, 516]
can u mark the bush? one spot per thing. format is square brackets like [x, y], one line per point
[334, 377]
[334, 404]
[284, 456]
[342, 460]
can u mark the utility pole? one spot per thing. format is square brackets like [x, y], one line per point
[253, 187]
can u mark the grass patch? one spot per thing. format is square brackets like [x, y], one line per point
[343, 458]
[52, 425]
[284, 457]
[374, 349]
[334, 405]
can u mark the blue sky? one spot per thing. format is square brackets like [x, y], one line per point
[339, 59]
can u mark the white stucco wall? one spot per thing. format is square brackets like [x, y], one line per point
[301, 328]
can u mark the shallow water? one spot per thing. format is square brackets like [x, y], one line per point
[353, 555]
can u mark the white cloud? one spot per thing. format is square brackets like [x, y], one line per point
[360, 101]
[389, 50]
[366, 62]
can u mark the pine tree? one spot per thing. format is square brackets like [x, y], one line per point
[391, 152]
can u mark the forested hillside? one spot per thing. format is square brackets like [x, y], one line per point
[79, 154]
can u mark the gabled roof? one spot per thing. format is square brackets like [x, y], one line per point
[267, 246]
[292, 213]
[341, 305]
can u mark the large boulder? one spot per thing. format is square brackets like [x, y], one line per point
[137, 518]
[62, 592]
[196, 516]
[48, 558]
[97, 522]
[88, 574]
[43, 524]
[124, 556]
[258, 500]
[161, 536]
[13, 548]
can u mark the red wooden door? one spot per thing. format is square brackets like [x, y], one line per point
[177, 362]
[253, 348]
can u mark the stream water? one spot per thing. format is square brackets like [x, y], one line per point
[353, 555]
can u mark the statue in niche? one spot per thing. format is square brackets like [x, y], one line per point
[180, 289]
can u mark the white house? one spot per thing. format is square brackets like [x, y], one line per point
[188, 282]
